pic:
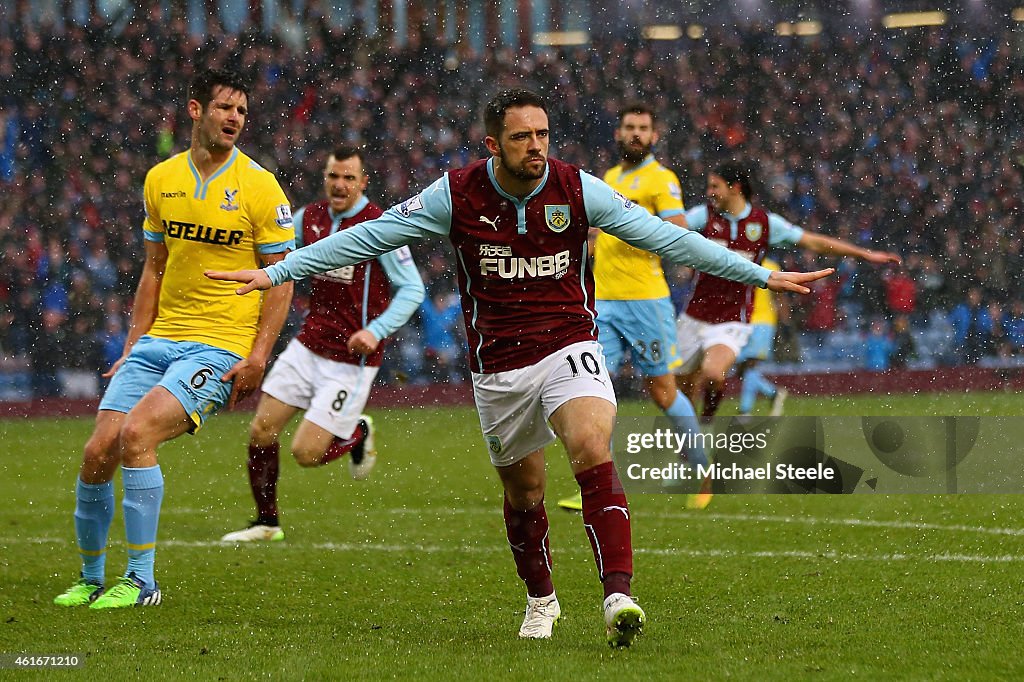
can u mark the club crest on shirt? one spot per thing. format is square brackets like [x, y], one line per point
[753, 231]
[230, 200]
[557, 216]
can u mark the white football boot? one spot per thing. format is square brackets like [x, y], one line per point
[363, 456]
[623, 619]
[779, 401]
[255, 533]
[541, 615]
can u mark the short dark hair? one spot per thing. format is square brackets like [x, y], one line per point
[636, 108]
[735, 172]
[494, 112]
[205, 82]
[345, 151]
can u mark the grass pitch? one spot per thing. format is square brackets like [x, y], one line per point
[408, 574]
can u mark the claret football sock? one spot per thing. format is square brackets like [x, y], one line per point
[606, 520]
[342, 446]
[616, 583]
[94, 510]
[143, 494]
[527, 533]
[684, 420]
[264, 469]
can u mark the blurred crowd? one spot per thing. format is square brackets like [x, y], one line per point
[906, 141]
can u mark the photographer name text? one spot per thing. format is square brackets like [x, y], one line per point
[731, 472]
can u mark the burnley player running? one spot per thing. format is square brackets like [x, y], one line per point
[518, 222]
[715, 325]
[192, 345]
[328, 368]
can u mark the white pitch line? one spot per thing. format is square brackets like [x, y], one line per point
[866, 523]
[695, 516]
[760, 518]
[500, 549]
[768, 518]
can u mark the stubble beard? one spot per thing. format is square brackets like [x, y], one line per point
[522, 172]
[211, 140]
[633, 155]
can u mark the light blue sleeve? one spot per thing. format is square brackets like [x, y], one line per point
[427, 214]
[782, 232]
[297, 222]
[697, 218]
[409, 292]
[620, 217]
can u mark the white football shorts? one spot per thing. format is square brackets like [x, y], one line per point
[514, 406]
[695, 336]
[332, 393]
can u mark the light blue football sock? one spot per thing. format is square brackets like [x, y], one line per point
[748, 391]
[764, 387]
[754, 383]
[94, 510]
[684, 420]
[143, 493]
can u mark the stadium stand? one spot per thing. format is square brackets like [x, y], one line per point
[907, 141]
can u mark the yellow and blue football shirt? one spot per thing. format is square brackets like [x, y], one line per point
[623, 272]
[764, 307]
[224, 222]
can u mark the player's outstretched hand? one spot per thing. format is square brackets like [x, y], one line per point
[252, 279]
[794, 281]
[883, 258]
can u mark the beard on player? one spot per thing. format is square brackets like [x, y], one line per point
[523, 170]
[633, 151]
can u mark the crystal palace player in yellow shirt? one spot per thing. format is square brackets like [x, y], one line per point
[634, 310]
[192, 345]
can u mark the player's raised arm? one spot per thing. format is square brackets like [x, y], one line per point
[426, 214]
[618, 216]
[830, 246]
